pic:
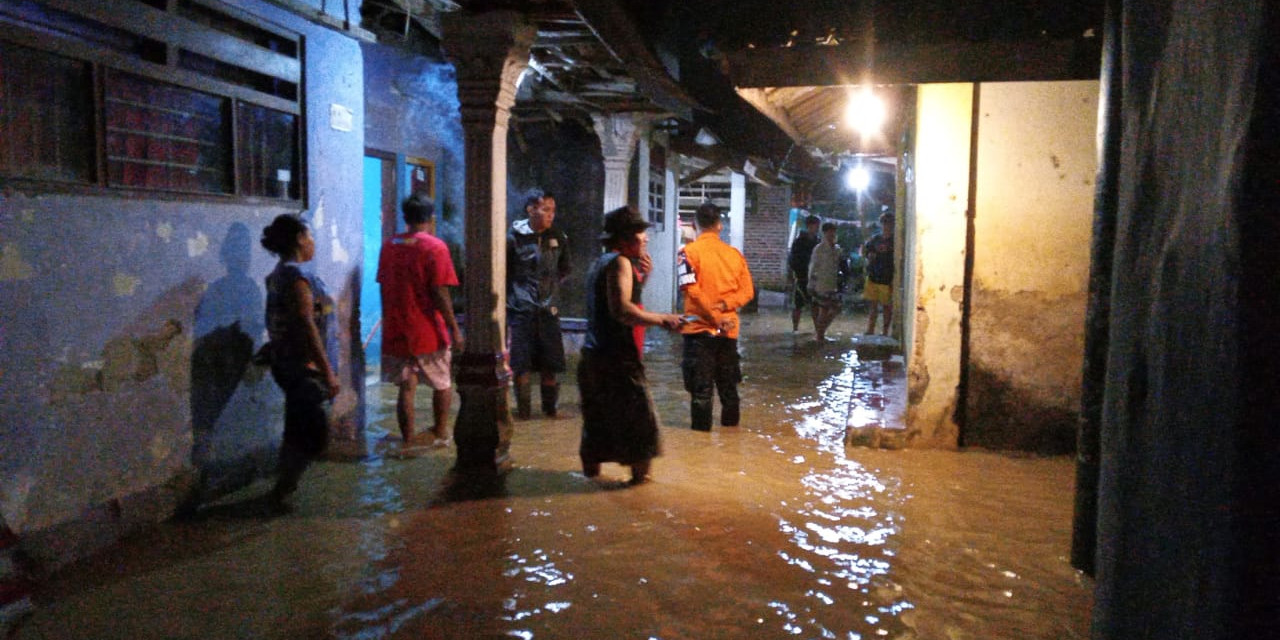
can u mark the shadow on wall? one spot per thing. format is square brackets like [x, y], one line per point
[1003, 417]
[229, 322]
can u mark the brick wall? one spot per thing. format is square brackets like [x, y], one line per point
[765, 245]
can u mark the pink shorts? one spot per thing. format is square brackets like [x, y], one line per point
[431, 369]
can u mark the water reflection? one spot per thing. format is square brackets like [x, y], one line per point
[776, 529]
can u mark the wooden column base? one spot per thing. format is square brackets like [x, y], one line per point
[483, 430]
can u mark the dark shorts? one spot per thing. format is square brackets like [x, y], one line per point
[536, 342]
[800, 294]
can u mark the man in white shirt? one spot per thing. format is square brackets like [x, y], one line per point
[824, 281]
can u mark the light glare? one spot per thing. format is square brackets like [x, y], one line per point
[858, 179]
[865, 112]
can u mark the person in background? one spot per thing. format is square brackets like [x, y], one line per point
[716, 283]
[537, 262]
[824, 281]
[878, 253]
[642, 265]
[301, 327]
[420, 331]
[619, 423]
[798, 265]
[855, 272]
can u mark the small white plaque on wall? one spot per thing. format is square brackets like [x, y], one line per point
[340, 117]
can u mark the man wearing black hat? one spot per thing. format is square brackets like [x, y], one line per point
[619, 423]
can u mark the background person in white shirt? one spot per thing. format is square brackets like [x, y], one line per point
[824, 281]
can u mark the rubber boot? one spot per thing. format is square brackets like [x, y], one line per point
[550, 396]
[524, 401]
[700, 413]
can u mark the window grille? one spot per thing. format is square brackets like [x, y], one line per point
[186, 96]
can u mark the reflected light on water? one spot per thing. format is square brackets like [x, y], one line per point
[775, 529]
[843, 530]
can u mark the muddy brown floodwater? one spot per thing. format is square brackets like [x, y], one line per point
[772, 530]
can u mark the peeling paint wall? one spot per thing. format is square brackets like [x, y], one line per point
[1037, 162]
[939, 193]
[127, 322]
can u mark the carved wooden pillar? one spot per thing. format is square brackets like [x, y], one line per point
[618, 133]
[489, 51]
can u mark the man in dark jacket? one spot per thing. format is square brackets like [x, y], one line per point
[798, 264]
[537, 262]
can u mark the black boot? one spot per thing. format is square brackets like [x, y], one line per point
[550, 396]
[524, 401]
[700, 413]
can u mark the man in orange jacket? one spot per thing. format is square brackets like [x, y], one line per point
[716, 283]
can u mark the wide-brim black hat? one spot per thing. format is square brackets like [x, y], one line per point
[623, 221]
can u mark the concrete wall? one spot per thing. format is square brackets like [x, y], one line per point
[128, 322]
[939, 192]
[1034, 191]
[411, 109]
[1037, 159]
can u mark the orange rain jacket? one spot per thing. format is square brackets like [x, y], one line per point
[711, 272]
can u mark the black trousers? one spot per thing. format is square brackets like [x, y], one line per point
[710, 364]
[306, 422]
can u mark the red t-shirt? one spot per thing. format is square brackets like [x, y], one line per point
[410, 265]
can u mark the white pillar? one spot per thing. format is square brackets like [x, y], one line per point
[642, 174]
[737, 209]
[660, 291]
[935, 276]
[617, 133]
[660, 288]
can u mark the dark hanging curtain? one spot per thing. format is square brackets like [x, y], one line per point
[1178, 476]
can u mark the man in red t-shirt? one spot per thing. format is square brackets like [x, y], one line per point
[418, 325]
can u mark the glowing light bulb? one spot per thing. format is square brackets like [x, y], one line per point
[865, 112]
[857, 178]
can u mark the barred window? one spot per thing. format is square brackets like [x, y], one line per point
[46, 116]
[189, 97]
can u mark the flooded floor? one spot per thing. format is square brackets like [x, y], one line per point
[771, 530]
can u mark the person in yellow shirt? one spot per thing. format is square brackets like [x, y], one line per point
[716, 283]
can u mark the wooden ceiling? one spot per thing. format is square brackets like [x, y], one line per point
[792, 62]
[796, 62]
[587, 57]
